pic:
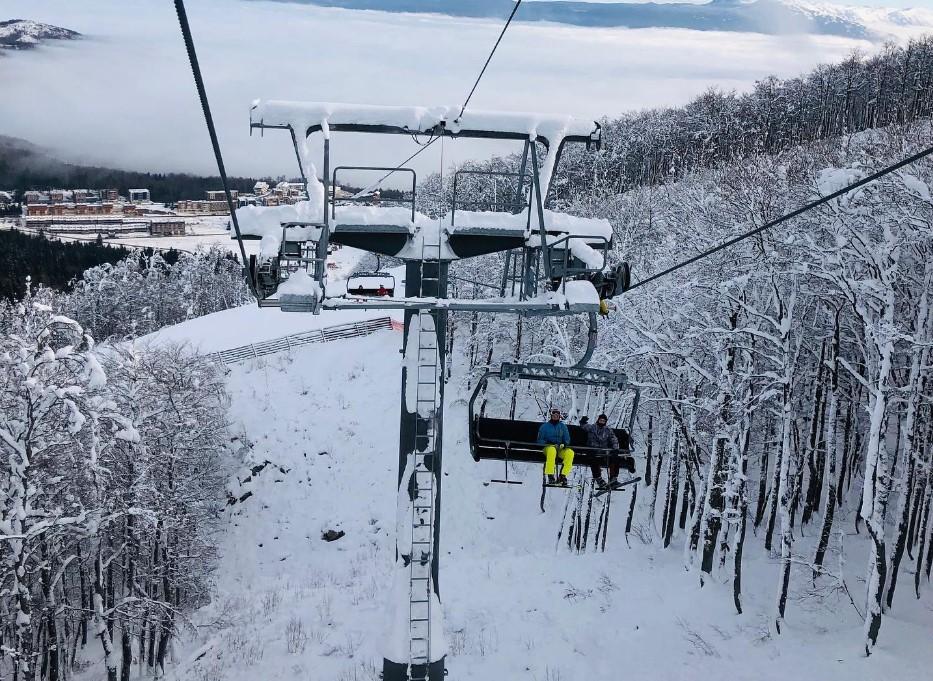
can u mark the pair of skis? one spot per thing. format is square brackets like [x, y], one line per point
[618, 487]
[621, 486]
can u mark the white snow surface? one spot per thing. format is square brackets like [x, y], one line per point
[518, 604]
[833, 179]
[554, 221]
[267, 220]
[586, 254]
[299, 284]
[379, 215]
[580, 293]
[250, 324]
[915, 185]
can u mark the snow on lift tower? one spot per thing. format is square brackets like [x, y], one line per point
[555, 264]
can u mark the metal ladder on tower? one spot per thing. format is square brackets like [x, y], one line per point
[422, 529]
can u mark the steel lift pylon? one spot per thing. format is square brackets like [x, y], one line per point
[541, 247]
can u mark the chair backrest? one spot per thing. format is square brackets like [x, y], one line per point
[506, 429]
[527, 431]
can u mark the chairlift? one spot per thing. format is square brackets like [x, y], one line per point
[371, 284]
[296, 251]
[377, 283]
[515, 440]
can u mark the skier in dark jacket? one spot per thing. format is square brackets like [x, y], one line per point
[601, 436]
[555, 437]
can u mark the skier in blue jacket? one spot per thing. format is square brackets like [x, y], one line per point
[555, 437]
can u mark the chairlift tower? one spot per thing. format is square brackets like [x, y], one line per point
[555, 265]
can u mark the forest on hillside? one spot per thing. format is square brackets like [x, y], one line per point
[24, 166]
[116, 457]
[785, 380]
[38, 260]
[658, 146]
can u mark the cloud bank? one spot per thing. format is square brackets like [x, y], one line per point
[124, 95]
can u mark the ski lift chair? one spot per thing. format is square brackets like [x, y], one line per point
[565, 265]
[506, 440]
[295, 253]
[369, 283]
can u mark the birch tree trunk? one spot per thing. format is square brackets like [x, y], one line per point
[670, 497]
[926, 492]
[785, 490]
[829, 474]
[910, 446]
[876, 486]
[741, 506]
[100, 620]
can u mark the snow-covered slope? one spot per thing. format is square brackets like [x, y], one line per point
[20, 34]
[249, 324]
[518, 603]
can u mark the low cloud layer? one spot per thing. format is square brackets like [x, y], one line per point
[124, 95]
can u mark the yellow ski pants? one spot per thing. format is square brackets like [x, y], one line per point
[550, 458]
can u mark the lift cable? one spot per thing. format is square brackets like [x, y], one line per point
[489, 58]
[788, 216]
[205, 106]
[422, 148]
[462, 109]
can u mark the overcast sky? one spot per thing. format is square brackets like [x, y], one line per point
[125, 95]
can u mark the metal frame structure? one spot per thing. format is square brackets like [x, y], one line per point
[425, 306]
[389, 239]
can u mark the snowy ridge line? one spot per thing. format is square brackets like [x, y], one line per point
[325, 335]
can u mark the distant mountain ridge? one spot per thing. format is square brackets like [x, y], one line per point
[23, 34]
[775, 17]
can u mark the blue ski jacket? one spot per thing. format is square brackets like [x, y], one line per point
[553, 434]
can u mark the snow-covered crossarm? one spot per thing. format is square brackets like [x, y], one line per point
[462, 220]
[308, 117]
[556, 304]
[395, 224]
[574, 298]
